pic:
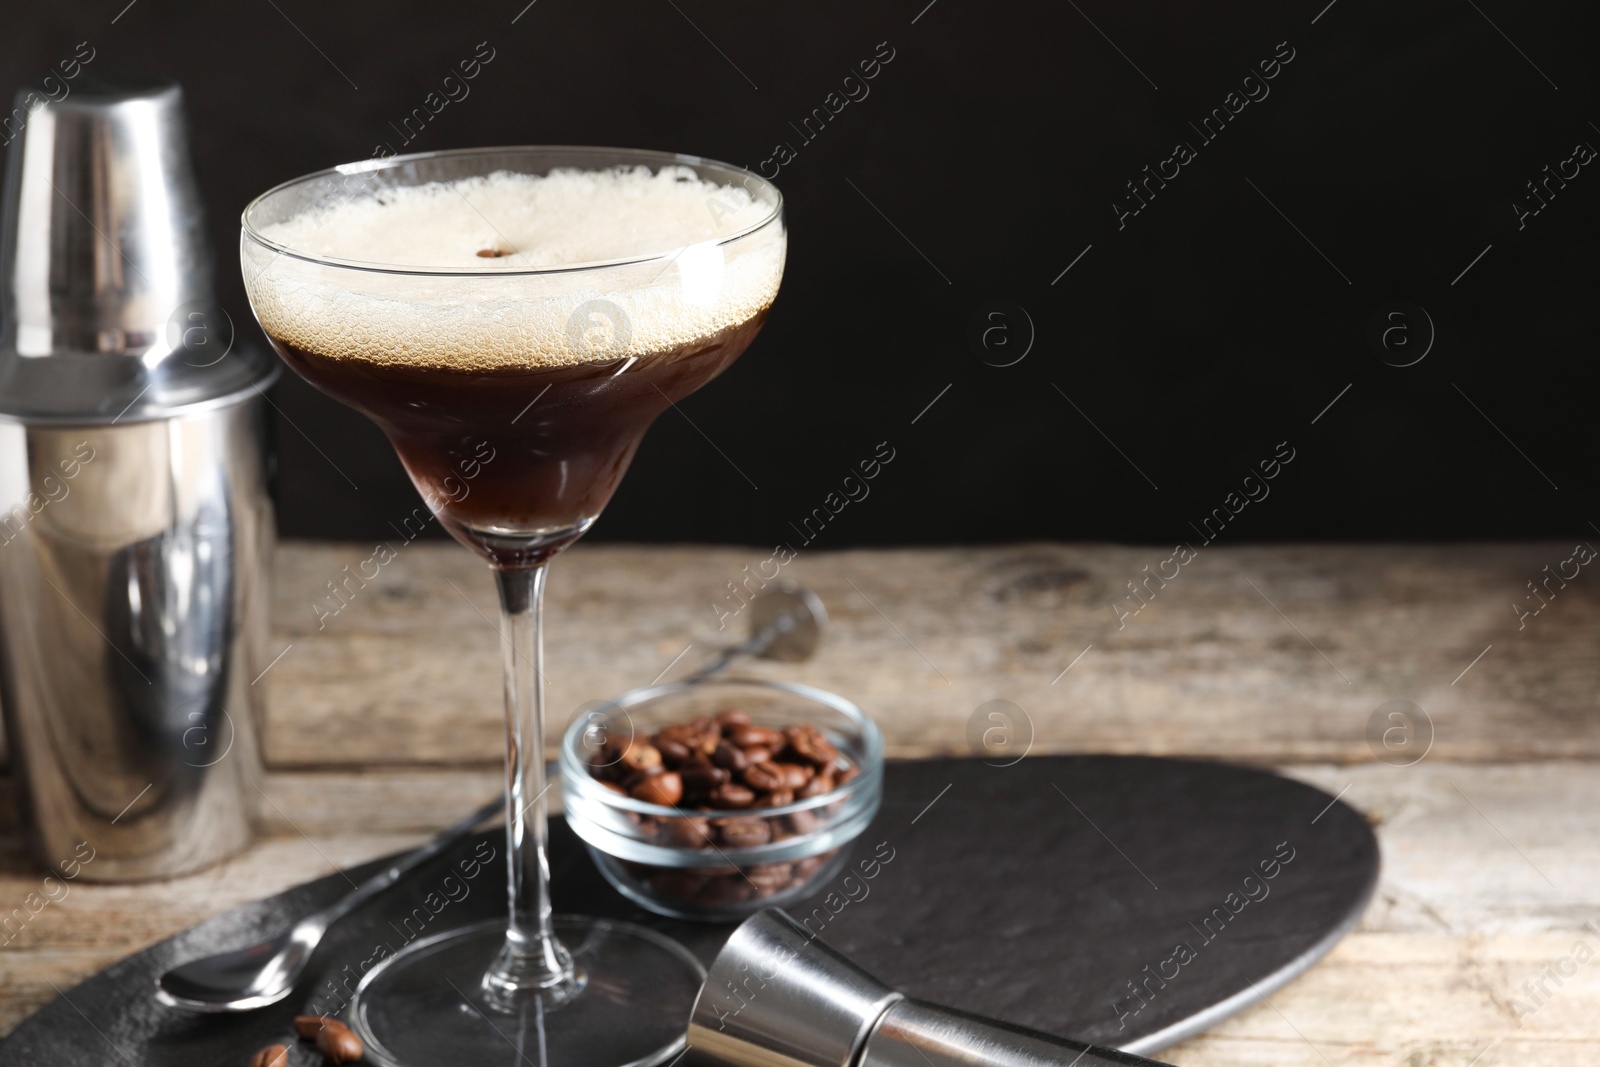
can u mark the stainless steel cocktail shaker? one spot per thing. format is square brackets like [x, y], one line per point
[135, 526]
[776, 996]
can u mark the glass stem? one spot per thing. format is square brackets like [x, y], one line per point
[532, 965]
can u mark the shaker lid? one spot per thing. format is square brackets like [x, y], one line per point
[106, 295]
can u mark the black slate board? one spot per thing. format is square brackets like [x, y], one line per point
[1035, 893]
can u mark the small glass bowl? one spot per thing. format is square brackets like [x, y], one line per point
[693, 863]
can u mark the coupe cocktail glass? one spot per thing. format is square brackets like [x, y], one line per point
[514, 319]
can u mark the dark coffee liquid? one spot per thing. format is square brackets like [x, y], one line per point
[520, 455]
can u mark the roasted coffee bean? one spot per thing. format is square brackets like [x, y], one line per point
[638, 756]
[673, 751]
[706, 732]
[776, 799]
[271, 1056]
[731, 719]
[640, 775]
[309, 1026]
[846, 773]
[768, 878]
[683, 733]
[703, 778]
[743, 833]
[665, 788]
[819, 784]
[337, 1043]
[765, 776]
[803, 822]
[685, 833]
[729, 889]
[805, 868]
[694, 800]
[728, 756]
[812, 744]
[672, 882]
[756, 754]
[615, 788]
[795, 775]
[756, 736]
[605, 767]
[732, 795]
[718, 887]
[701, 735]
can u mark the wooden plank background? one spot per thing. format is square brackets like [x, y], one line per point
[385, 722]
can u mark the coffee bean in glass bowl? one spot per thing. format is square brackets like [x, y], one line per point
[715, 799]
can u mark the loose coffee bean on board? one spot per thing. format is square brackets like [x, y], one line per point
[337, 1043]
[271, 1056]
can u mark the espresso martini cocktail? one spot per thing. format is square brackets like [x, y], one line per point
[514, 319]
[516, 400]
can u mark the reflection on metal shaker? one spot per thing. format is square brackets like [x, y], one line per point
[135, 524]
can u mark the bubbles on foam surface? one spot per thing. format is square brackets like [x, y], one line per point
[483, 321]
[566, 217]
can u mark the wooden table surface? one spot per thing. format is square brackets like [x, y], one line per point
[385, 723]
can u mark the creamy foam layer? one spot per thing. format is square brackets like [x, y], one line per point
[484, 321]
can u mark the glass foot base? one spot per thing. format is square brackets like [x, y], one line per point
[426, 1006]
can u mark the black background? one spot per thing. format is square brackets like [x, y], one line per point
[1221, 320]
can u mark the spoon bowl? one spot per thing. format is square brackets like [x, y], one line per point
[244, 979]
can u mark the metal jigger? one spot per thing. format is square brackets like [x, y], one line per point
[135, 526]
[776, 996]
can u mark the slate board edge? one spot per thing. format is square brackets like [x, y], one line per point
[1261, 988]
